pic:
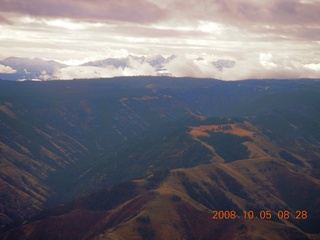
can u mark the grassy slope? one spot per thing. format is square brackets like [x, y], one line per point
[178, 203]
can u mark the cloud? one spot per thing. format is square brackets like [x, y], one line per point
[7, 69]
[267, 65]
[291, 17]
[104, 10]
[260, 36]
[313, 66]
[135, 68]
[156, 32]
[246, 66]
[240, 13]
[183, 67]
[237, 12]
[4, 20]
[253, 66]
[266, 60]
[76, 72]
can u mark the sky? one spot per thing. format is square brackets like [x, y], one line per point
[264, 38]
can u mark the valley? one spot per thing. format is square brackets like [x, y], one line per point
[152, 157]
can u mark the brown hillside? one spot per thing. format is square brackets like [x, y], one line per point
[181, 206]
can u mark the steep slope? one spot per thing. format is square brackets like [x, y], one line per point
[196, 202]
[29, 154]
[181, 207]
[52, 134]
[60, 140]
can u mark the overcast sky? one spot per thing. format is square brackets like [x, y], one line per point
[265, 38]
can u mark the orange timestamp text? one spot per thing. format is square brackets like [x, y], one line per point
[262, 214]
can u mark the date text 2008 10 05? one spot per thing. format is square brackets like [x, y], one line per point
[263, 214]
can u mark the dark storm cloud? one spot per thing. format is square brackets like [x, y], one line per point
[98, 10]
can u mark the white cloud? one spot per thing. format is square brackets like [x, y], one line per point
[263, 37]
[266, 60]
[136, 68]
[7, 69]
[75, 72]
[248, 65]
[183, 67]
[313, 66]
[309, 1]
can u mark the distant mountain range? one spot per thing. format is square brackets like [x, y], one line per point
[156, 61]
[28, 69]
[17, 69]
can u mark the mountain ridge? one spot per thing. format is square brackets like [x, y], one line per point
[61, 140]
[22, 69]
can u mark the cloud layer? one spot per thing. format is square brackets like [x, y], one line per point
[101, 10]
[267, 38]
[267, 65]
[6, 69]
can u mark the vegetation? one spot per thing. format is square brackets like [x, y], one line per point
[68, 140]
[232, 184]
[142, 219]
[147, 233]
[175, 198]
[210, 196]
[156, 178]
[290, 158]
[228, 146]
